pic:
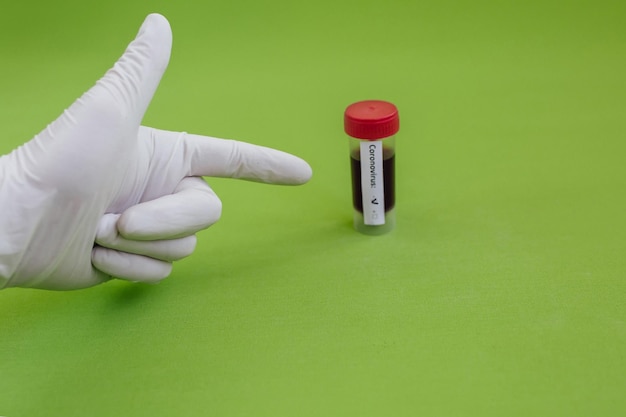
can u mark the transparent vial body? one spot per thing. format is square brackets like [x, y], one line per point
[373, 184]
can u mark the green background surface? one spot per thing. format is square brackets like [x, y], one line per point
[502, 290]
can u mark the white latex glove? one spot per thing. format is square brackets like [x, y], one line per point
[96, 175]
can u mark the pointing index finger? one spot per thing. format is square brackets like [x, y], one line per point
[213, 157]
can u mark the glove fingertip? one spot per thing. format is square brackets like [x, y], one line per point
[301, 174]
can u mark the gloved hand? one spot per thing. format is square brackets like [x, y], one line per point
[96, 175]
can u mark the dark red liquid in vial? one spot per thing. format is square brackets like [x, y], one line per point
[389, 177]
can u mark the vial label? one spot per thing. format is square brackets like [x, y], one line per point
[372, 183]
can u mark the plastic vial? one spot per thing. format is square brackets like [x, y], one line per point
[372, 126]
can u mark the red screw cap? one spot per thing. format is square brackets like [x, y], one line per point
[371, 119]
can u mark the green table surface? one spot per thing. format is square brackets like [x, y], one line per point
[500, 292]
